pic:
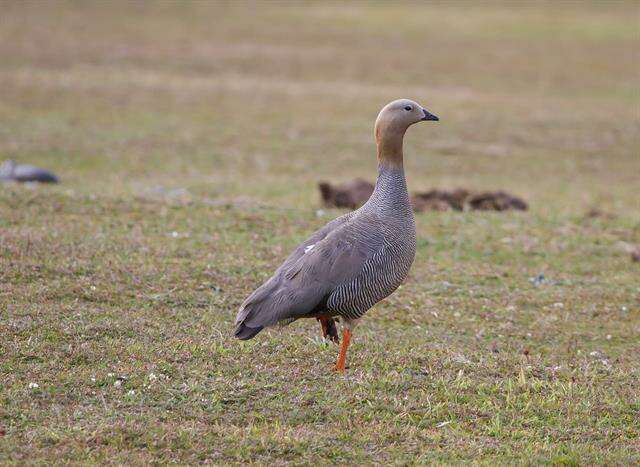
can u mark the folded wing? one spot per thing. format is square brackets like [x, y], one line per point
[331, 257]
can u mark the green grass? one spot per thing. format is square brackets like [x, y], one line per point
[190, 137]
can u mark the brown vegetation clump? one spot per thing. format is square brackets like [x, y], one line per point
[350, 195]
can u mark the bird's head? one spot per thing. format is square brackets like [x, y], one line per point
[399, 115]
[392, 123]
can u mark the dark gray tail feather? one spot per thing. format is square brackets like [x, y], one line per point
[244, 332]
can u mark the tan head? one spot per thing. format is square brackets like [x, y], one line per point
[391, 125]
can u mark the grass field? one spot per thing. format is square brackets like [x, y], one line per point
[190, 137]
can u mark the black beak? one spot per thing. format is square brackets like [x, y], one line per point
[429, 116]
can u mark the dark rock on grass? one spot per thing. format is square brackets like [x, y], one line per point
[350, 195]
[11, 171]
[496, 201]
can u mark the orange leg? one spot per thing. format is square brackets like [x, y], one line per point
[346, 338]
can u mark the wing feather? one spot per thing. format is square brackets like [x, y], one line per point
[308, 276]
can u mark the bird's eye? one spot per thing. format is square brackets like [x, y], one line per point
[408, 108]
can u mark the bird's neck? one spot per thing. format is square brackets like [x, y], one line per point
[389, 144]
[390, 179]
[390, 192]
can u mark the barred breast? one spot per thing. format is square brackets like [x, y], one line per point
[380, 276]
[390, 214]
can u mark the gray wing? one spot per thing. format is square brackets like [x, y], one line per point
[317, 236]
[334, 254]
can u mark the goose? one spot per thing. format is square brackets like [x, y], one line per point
[354, 261]
[12, 171]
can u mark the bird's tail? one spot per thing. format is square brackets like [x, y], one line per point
[246, 325]
[244, 332]
[267, 306]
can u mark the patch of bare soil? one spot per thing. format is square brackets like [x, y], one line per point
[350, 195]
[440, 200]
[597, 213]
[355, 193]
[496, 201]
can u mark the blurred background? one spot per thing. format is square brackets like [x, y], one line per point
[260, 100]
[189, 138]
